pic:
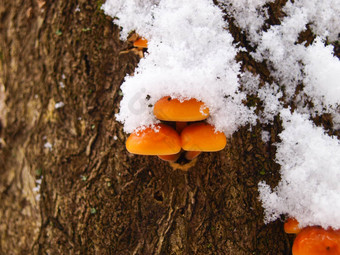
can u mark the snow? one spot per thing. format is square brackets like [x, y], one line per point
[194, 58]
[249, 15]
[36, 189]
[191, 54]
[322, 73]
[309, 190]
[48, 145]
[59, 105]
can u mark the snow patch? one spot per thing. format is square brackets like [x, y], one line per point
[310, 169]
[190, 57]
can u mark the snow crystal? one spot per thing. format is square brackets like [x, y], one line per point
[322, 16]
[322, 73]
[59, 105]
[270, 95]
[36, 189]
[265, 135]
[249, 14]
[131, 15]
[293, 63]
[310, 168]
[48, 145]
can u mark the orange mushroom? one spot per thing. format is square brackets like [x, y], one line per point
[291, 226]
[157, 140]
[141, 43]
[317, 241]
[202, 137]
[169, 109]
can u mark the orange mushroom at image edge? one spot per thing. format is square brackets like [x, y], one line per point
[313, 240]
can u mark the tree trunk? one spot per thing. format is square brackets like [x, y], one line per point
[67, 183]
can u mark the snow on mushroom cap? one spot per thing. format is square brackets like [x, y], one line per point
[191, 57]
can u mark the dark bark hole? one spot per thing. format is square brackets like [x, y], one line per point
[158, 196]
[87, 65]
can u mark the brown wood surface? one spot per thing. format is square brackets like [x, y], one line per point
[95, 197]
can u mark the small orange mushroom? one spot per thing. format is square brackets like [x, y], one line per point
[169, 109]
[317, 241]
[141, 43]
[291, 226]
[157, 140]
[202, 137]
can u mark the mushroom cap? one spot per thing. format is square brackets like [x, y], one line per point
[291, 226]
[159, 139]
[169, 109]
[141, 43]
[202, 137]
[317, 241]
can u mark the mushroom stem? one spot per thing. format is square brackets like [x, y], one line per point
[170, 158]
[190, 155]
[180, 126]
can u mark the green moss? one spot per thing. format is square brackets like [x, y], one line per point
[262, 172]
[86, 29]
[38, 172]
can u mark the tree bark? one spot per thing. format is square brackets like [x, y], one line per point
[95, 198]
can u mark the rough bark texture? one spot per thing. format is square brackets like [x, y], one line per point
[95, 198]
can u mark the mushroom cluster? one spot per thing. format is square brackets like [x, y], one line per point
[313, 240]
[185, 134]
